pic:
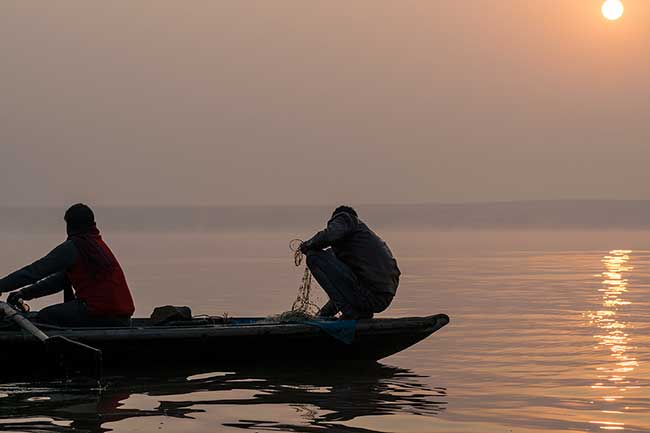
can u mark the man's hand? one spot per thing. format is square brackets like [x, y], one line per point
[14, 298]
[304, 247]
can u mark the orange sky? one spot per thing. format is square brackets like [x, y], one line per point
[262, 102]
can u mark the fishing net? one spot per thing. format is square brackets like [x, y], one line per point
[302, 308]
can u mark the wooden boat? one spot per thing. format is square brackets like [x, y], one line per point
[215, 340]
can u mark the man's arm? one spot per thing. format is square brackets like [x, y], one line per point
[58, 260]
[47, 286]
[337, 228]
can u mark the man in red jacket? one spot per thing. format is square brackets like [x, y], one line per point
[84, 268]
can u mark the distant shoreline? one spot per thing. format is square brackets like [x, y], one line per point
[542, 214]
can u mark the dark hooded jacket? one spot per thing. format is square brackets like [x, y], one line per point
[365, 253]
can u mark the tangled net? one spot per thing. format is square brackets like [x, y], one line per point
[302, 308]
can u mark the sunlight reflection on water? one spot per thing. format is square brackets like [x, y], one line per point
[613, 336]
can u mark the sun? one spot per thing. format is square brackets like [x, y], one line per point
[613, 9]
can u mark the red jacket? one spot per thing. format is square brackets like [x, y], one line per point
[106, 293]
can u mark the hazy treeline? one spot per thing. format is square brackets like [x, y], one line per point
[585, 214]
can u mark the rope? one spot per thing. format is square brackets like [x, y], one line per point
[294, 246]
[302, 308]
[302, 304]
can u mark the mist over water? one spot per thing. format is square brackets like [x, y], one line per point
[546, 214]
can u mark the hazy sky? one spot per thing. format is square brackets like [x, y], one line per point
[317, 102]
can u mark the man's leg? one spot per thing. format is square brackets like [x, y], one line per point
[380, 301]
[73, 313]
[340, 284]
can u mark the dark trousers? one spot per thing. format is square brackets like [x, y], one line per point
[75, 313]
[342, 286]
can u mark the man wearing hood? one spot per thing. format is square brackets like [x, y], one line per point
[353, 265]
[84, 268]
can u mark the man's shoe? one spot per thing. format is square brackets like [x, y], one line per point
[360, 316]
[328, 310]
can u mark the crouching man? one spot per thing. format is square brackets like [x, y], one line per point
[353, 265]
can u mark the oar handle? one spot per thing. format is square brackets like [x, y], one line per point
[70, 352]
[21, 321]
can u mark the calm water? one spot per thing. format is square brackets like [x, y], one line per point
[549, 333]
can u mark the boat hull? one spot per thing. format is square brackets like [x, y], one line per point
[254, 341]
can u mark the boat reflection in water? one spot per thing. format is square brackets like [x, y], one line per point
[613, 337]
[321, 399]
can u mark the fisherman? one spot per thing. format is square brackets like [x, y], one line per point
[84, 268]
[357, 271]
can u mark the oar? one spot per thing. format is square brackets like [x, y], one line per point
[70, 352]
